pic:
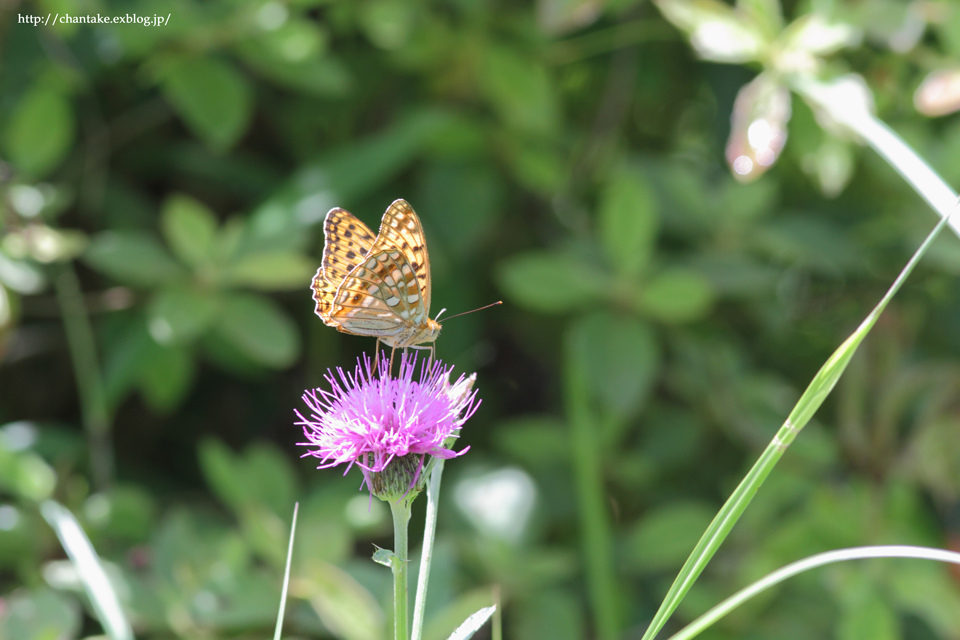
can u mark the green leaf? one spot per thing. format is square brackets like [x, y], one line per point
[223, 471]
[865, 615]
[345, 607]
[550, 282]
[178, 315]
[927, 591]
[473, 623]
[211, 96]
[272, 271]
[628, 222]
[127, 512]
[620, 359]
[342, 175]
[676, 295]
[664, 536]
[189, 228]
[767, 14]
[385, 557]
[269, 471]
[520, 89]
[40, 614]
[166, 374]
[259, 329]
[131, 257]
[40, 131]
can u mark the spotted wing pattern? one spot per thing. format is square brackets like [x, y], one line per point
[346, 242]
[386, 291]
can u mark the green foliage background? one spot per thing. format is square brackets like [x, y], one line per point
[169, 183]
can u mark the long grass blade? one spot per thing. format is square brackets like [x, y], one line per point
[89, 567]
[286, 573]
[816, 392]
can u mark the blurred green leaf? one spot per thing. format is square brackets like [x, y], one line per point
[223, 471]
[166, 375]
[272, 271]
[767, 14]
[551, 613]
[462, 200]
[39, 614]
[628, 222]
[676, 295]
[259, 329]
[864, 613]
[178, 315]
[131, 257]
[520, 89]
[663, 537]
[269, 471]
[388, 23]
[25, 474]
[40, 131]
[345, 607]
[189, 228]
[534, 441]
[339, 177]
[550, 282]
[21, 276]
[620, 359]
[126, 511]
[926, 590]
[213, 99]
[261, 475]
[439, 625]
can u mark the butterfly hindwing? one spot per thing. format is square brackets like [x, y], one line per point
[384, 288]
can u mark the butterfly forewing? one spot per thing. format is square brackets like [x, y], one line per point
[346, 241]
[401, 228]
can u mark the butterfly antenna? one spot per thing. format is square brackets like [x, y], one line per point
[486, 306]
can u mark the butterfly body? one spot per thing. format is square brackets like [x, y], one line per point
[376, 285]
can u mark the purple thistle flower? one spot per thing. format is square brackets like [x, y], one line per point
[370, 418]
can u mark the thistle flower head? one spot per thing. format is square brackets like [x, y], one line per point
[387, 424]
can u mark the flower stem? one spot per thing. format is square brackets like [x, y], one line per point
[400, 508]
[426, 555]
[86, 368]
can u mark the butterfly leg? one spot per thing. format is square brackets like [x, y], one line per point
[376, 357]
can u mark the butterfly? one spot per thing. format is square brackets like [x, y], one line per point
[376, 285]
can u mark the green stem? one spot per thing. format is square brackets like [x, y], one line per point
[86, 370]
[426, 555]
[400, 509]
[601, 578]
[819, 560]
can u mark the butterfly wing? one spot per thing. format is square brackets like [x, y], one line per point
[347, 241]
[379, 298]
[401, 228]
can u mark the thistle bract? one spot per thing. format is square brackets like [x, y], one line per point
[376, 420]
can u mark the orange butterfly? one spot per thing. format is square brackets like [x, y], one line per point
[376, 285]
